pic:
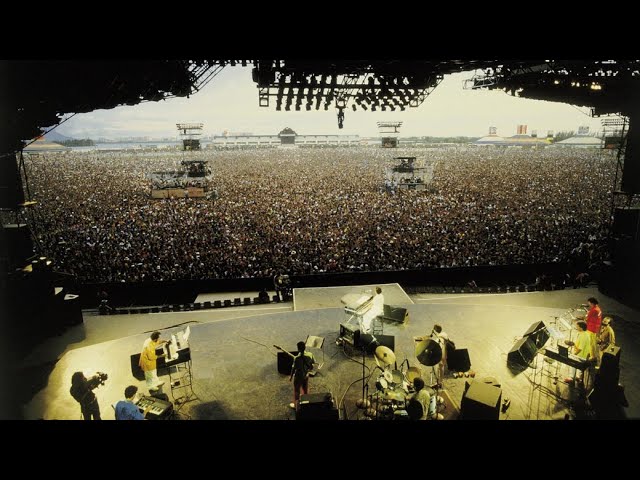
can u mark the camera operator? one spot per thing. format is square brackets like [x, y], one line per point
[82, 391]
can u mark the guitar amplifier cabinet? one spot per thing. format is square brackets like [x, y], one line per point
[285, 362]
[316, 406]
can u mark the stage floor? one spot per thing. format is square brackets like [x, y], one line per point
[234, 362]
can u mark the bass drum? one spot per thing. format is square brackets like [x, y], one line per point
[401, 415]
[433, 403]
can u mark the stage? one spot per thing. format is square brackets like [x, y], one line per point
[234, 365]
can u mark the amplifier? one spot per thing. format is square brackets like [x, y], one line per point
[350, 334]
[317, 399]
[316, 406]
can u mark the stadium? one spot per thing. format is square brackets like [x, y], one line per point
[238, 247]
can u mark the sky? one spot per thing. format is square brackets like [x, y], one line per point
[230, 102]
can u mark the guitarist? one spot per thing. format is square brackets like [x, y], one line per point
[302, 366]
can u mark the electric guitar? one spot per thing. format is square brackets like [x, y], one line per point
[285, 351]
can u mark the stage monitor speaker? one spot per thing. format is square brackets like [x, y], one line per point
[538, 333]
[136, 371]
[316, 406]
[395, 314]
[610, 357]
[522, 353]
[481, 401]
[458, 360]
[366, 341]
[285, 362]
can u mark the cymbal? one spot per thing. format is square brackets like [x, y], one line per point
[412, 373]
[385, 355]
[428, 352]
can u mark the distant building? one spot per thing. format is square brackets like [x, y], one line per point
[491, 139]
[286, 137]
[581, 141]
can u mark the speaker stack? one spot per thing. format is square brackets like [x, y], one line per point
[607, 391]
[481, 401]
[522, 353]
[458, 360]
[538, 333]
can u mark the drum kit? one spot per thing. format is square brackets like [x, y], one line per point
[393, 387]
[391, 400]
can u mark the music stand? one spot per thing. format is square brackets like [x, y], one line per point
[315, 342]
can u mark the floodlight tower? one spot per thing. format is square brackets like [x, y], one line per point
[389, 133]
[190, 133]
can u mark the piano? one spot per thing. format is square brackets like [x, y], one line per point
[160, 409]
[357, 303]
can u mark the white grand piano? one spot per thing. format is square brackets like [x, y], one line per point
[356, 306]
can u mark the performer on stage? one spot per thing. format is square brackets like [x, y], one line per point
[583, 348]
[441, 337]
[127, 409]
[423, 396]
[594, 316]
[148, 360]
[377, 309]
[606, 337]
[302, 366]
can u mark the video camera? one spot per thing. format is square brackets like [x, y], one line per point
[96, 380]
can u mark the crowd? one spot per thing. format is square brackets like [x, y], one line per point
[305, 211]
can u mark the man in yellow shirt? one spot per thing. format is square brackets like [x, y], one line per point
[583, 348]
[148, 360]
